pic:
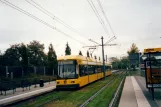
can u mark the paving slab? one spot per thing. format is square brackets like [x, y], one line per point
[157, 93]
[140, 98]
[128, 98]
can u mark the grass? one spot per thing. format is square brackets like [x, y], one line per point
[134, 73]
[72, 100]
[40, 100]
[105, 97]
[77, 97]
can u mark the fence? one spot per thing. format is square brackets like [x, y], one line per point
[17, 72]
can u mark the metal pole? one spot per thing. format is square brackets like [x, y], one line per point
[44, 71]
[7, 71]
[103, 58]
[139, 61]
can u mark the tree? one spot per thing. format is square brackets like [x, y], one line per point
[99, 58]
[115, 62]
[23, 56]
[113, 59]
[88, 54]
[52, 58]
[80, 53]
[67, 50]
[16, 55]
[1, 59]
[36, 53]
[133, 49]
[124, 62]
[12, 56]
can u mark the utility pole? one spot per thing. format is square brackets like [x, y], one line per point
[102, 45]
[103, 59]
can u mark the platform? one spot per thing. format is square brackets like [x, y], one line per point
[20, 95]
[132, 95]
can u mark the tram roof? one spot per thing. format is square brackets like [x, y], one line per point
[83, 59]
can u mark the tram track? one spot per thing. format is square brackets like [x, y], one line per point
[60, 95]
[116, 95]
[56, 98]
[63, 96]
[100, 90]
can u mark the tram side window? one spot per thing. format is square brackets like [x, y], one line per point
[107, 68]
[98, 69]
[83, 70]
[91, 69]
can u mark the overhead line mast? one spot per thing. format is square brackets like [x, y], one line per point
[102, 45]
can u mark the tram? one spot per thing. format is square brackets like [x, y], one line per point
[78, 71]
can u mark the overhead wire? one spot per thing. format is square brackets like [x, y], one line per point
[99, 2]
[110, 40]
[36, 18]
[97, 15]
[39, 7]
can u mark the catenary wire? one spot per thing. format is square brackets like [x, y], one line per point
[36, 18]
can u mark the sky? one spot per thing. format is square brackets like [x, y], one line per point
[133, 21]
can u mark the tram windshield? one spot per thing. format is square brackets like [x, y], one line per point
[67, 69]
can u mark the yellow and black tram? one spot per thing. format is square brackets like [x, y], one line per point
[77, 71]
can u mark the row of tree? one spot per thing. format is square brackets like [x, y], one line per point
[31, 54]
[124, 62]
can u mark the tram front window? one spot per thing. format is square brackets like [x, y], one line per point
[67, 69]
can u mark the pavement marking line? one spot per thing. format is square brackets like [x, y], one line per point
[141, 99]
[27, 94]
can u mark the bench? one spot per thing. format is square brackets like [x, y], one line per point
[5, 86]
[25, 84]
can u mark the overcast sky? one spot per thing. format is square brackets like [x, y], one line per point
[133, 21]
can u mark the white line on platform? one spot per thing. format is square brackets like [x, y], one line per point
[141, 100]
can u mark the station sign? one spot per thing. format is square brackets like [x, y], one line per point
[152, 50]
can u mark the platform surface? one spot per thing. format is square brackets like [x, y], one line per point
[19, 95]
[132, 95]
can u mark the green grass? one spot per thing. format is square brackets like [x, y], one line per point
[134, 73]
[40, 100]
[105, 97]
[78, 97]
[73, 99]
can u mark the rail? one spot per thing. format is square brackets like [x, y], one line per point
[116, 94]
[99, 91]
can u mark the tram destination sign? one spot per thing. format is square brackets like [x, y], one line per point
[66, 62]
